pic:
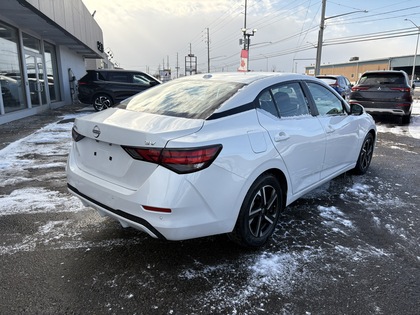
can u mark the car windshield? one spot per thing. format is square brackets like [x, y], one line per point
[382, 78]
[183, 98]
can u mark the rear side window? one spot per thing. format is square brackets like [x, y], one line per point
[383, 79]
[119, 77]
[290, 100]
[92, 76]
[139, 78]
[187, 98]
[285, 100]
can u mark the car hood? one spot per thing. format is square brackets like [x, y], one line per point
[124, 127]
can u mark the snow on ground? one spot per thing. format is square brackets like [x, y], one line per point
[279, 271]
[412, 129]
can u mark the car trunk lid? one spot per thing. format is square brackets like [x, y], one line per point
[100, 152]
[380, 92]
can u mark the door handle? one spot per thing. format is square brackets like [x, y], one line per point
[281, 136]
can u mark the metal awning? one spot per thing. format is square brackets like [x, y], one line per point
[28, 18]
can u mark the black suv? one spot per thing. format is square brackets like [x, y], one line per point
[104, 88]
[384, 92]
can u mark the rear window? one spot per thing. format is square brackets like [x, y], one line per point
[183, 98]
[90, 76]
[383, 79]
[329, 80]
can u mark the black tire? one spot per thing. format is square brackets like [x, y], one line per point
[365, 156]
[405, 120]
[102, 101]
[259, 213]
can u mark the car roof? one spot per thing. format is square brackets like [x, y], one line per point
[255, 82]
[246, 77]
[112, 70]
[329, 76]
[385, 71]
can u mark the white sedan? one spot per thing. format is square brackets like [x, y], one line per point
[216, 153]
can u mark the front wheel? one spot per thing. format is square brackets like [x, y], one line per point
[365, 155]
[101, 102]
[259, 213]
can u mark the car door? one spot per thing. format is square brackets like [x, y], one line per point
[121, 85]
[342, 129]
[298, 136]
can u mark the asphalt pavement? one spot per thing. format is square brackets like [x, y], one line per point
[349, 247]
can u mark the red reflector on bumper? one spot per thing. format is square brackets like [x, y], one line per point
[155, 209]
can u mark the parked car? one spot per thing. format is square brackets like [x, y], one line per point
[339, 83]
[416, 84]
[384, 92]
[104, 88]
[216, 153]
[10, 90]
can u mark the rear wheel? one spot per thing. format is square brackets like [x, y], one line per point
[102, 101]
[365, 155]
[406, 119]
[259, 213]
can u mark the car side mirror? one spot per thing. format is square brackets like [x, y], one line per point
[356, 109]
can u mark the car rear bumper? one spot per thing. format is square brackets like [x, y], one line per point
[124, 218]
[197, 209]
[398, 109]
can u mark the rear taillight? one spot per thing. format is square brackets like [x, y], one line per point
[359, 88]
[82, 83]
[156, 209]
[401, 89]
[181, 161]
[76, 136]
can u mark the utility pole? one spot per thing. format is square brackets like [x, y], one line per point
[208, 50]
[321, 33]
[177, 66]
[190, 63]
[320, 39]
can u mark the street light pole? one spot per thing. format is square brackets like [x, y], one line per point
[415, 53]
[247, 35]
[244, 28]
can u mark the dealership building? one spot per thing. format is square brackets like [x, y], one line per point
[43, 48]
[355, 67]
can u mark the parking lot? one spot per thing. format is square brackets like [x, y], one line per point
[350, 247]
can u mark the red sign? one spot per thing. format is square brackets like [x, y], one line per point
[243, 66]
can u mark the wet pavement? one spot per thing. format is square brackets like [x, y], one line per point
[349, 247]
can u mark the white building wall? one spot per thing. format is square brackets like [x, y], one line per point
[69, 64]
[73, 16]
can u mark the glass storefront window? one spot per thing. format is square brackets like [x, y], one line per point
[31, 43]
[35, 70]
[11, 83]
[52, 73]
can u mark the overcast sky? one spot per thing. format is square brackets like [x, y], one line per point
[145, 35]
